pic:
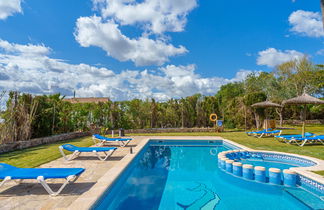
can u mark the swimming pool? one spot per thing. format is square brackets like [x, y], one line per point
[185, 175]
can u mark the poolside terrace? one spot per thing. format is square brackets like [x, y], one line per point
[30, 195]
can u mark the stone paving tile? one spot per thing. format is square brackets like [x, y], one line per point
[31, 195]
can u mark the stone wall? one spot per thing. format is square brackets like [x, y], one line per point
[299, 122]
[8, 147]
[165, 130]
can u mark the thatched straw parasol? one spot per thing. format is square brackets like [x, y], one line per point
[266, 104]
[303, 100]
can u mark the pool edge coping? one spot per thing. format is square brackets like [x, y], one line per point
[89, 198]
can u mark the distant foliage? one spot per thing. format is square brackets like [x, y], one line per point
[28, 116]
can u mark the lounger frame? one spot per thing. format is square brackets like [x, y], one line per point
[42, 181]
[302, 142]
[77, 153]
[268, 133]
[101, 142]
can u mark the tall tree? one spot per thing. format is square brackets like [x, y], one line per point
[154, 113]
[298, 76]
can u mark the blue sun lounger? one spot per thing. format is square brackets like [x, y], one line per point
[78, 150]
[8, 172]
[268, 133]
[102, 140]
[250, 133]
[302, 141]
[283, 138]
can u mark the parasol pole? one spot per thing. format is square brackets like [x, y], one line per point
[304, 119]
[266, 119]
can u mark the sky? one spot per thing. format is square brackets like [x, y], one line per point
[162, 49]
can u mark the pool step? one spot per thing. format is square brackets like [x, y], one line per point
[309, 199]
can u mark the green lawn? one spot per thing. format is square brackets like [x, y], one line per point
[36, 156]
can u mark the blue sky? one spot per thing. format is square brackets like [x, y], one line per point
[150, 48]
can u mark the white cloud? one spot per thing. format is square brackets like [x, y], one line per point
[157, 16]
[307, 23]
[91, 31]
[42, 74]
[24, 49]
[9, 7]
[242, 74]
[186, 82]
[272, 57]
[320, 52]
[152, 17]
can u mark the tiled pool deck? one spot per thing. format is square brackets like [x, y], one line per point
[94, 181]
[34, 196]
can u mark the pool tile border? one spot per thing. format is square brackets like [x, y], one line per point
[88, 199]
[286, 157]
[310, 184]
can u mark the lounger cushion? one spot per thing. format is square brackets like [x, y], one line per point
[97, 136]
[250, 132]
[72, 148]
[307, 134]
[260, 132]
[33, 173]
[270, 132]
[319, 137]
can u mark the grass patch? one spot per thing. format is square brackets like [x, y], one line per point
[36, 156]
[319, 172]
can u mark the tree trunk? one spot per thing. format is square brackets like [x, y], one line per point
[182, 117]
[112, 120]
[257, 122]
[304, 119]
[53, 121]
[279, 112]
[245, 116]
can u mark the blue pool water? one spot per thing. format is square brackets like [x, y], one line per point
[187, 177]
[268, 164]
